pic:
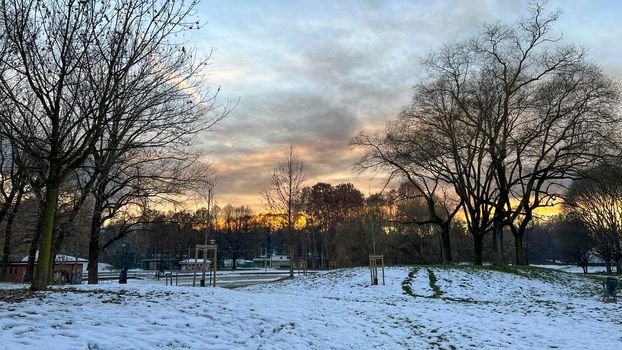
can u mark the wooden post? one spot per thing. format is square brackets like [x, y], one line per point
[214, 264]
[371, 271]
[373, 268]
[204, 267]
[382, 261]
[194, 273]
[205, 249]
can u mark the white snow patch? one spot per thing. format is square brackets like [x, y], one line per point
[476, 309]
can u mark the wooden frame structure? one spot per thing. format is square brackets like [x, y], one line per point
[373, 268]
[205, 249]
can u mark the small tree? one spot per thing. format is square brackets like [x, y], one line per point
[282, 195]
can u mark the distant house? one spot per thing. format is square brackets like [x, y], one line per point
[274, 261]
[66, 269]
[191, 265]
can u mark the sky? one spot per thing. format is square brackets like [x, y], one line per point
[316, 73]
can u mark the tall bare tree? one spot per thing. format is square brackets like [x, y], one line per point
[550, 114]
[45, 50]
[282, 195]
[70, 68]
[507, 118]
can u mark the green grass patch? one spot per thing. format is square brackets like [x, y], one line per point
[408, 281]
[437, 291]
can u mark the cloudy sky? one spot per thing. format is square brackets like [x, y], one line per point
[315, 73]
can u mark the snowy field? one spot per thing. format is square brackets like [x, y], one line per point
[419, 308]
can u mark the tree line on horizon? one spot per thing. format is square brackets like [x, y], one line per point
[326, 233]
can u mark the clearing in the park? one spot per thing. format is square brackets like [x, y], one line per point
[421, 307]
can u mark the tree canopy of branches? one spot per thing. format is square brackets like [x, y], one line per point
[105, 86]
[400, 153]
[505, 119]
[596, 202]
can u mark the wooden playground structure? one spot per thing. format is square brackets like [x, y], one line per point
[373, 268]
[205, 249]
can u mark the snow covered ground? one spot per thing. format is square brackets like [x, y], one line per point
[419, 308]
[575, 268]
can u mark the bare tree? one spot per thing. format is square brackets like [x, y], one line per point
[400, 153]
[434, 148]
[596, 202]
[507, 118]
[44, 50]
[75, 70]
[550, 114]
[282, 195]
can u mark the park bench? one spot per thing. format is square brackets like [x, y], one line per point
[610, 286]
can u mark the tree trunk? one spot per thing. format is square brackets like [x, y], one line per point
[32, 252]
[498, 244]
[291, 262]
[7, 240]
[94, 243]
[290, 234]
[445, 244]
[59, 237]
[478, 247]
[617, 254]
[42, 273]
[57, 242]
[519, 235]
[314, 256]
[8, 233]
[519, 250]
[608, 262]
[96, 224]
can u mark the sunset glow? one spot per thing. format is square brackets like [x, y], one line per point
[314, 74]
